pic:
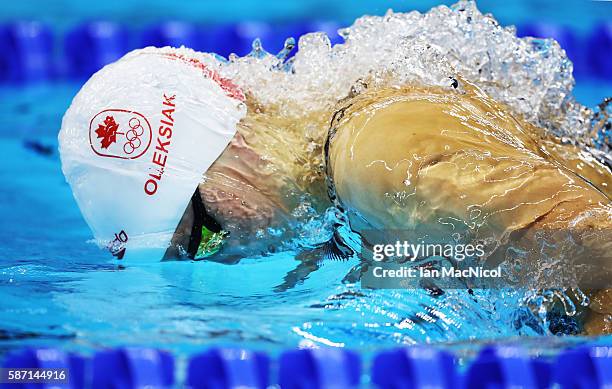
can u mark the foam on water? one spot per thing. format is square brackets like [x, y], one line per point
[532, 76]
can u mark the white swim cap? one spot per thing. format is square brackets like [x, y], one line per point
[138, 138]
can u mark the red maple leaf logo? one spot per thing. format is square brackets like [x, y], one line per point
[108, 132]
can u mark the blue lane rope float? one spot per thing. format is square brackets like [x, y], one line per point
[221, 39]
[28, 52]
[90, 46]
[228, 368]
[319, 368]
[414, 367]
[26, 49]
[584, 367]
[600, 53]
[132, 368]
[172, 33]
[507, 367]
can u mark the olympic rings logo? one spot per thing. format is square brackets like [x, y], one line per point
[133, 136]
[120, 133]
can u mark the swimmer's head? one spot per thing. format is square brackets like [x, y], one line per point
[138, 138]
[159, 139]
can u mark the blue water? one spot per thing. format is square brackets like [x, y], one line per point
[58, 289]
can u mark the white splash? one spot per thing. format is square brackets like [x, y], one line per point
[532, 76]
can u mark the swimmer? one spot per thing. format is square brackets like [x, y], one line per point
[399, 159]
[395, 158]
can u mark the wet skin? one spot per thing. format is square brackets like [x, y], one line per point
[461, 163]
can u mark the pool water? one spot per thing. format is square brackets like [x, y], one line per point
[58, 289]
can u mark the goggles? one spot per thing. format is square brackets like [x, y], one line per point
[207, 237]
